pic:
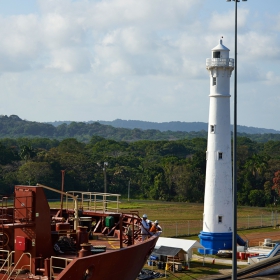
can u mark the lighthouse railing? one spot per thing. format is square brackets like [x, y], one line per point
[219, 62]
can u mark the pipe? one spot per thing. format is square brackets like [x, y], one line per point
[62, 189]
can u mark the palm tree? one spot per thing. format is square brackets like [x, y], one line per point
[256, 165]
[26, 152]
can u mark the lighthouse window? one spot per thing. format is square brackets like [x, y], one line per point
[220, 219]
[216, 54]
[212, 128]
[220, 155]
[214, 81]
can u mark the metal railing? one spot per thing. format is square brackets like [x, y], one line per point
[60, 268]
[95, 201]
[6, 260]
[14, 268]
[219, 62]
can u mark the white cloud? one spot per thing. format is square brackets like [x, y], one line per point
[272, 78]
[225, 21]
[149, 14]
[59, 31]
[130, 59]
[261, 46]
[19, 42]
[70, 60]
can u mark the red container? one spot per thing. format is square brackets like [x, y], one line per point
[20, 243]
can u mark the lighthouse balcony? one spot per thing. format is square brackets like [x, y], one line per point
[219, 62]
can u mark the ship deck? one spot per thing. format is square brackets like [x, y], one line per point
[39, 242]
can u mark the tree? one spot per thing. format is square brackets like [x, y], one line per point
[257, 165]
[70, 145]
[158, 191]
[26, 152]
[276, 182]
[257, 198]
[268, 192]
[253, 176]
[7, 155]
[34, 172]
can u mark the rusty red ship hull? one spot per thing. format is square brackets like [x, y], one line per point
[124, 264]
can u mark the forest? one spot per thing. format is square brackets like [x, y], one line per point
[158, 170]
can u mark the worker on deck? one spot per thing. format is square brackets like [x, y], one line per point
[129, 234]
[145, 227]
[155, 227]
[150, 224]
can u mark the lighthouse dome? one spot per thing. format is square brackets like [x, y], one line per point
[220, 51]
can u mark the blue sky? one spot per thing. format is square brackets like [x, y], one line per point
[135, 60]
[18, 7]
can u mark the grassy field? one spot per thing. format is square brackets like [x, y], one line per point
[165, 211]
[179, 211]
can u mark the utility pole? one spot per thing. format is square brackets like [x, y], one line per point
[128, 190]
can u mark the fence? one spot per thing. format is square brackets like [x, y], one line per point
[194, 227]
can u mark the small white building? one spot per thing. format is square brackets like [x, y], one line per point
[185, 247]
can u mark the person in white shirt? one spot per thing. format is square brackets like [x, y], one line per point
[145, 227]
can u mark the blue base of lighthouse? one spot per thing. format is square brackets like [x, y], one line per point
[213, 242]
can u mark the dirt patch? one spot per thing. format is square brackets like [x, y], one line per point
[257, 237]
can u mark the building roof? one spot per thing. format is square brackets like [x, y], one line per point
[184, 244]
[220, 47]
[168, 251]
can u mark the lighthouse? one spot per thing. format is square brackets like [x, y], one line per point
[217, 217]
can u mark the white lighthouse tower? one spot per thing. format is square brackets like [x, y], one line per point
[217, 217]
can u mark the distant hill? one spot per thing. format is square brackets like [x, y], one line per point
[172, 126]
[14, 127]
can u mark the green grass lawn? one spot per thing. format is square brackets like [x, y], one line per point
[182, 210]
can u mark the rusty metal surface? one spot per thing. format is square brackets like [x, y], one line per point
[124, 264]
